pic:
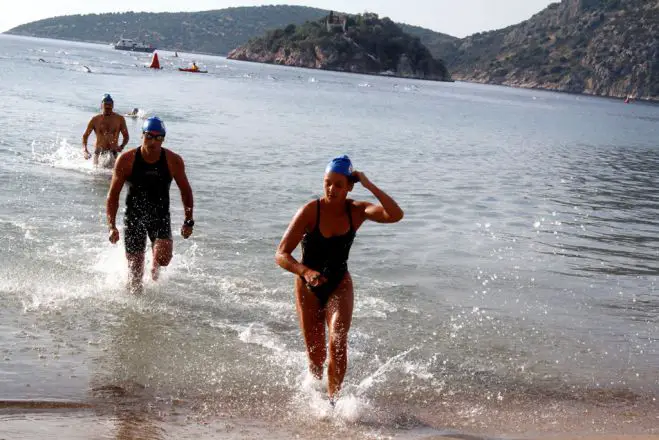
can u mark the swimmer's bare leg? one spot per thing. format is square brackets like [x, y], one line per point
[162, 256]
[339, 318]
[135, 272]
[311, 315]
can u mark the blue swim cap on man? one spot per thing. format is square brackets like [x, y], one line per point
[154, 125]
[341, 165]
[107, 98]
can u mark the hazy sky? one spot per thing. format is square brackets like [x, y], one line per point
[455, 17]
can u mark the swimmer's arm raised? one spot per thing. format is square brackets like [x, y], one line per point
[387, 211]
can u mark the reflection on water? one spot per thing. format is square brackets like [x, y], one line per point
[610, 200]
[118, 391]
[132, 425]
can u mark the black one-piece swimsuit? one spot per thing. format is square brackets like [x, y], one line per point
[327, 255]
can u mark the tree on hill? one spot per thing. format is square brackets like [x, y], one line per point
[601, 47]
[359, 43]
[215, 32]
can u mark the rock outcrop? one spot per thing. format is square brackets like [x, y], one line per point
[361, 44]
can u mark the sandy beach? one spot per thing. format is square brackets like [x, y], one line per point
[126, 419]
[41, 426]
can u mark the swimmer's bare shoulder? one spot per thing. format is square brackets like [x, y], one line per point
[308, 214]
[358, 211]
[303, 222]
[128, 154]
[124, 163]
[94, 121]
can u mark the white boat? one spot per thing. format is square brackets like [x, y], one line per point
[128, 44]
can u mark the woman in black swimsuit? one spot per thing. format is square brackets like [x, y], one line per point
[323, 288]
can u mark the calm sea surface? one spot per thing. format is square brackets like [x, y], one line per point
[519, 294]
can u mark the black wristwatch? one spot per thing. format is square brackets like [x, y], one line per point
[188, 223]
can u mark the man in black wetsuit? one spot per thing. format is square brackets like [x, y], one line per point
[149, 171]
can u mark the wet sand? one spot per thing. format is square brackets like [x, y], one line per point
[82, 426]
[121, 420]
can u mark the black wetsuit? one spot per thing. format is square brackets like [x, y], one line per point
[327, 255]
[101, 152]
[147, 203]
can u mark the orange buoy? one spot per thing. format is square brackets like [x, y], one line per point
[155, 63]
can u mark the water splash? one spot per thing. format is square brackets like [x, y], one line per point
[61, 154]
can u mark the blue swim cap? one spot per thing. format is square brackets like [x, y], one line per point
[341, 165]
[107, 98]
[154, 125]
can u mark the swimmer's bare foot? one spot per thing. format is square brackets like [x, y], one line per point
[135, 288]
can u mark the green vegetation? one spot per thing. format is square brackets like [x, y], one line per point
[215, 32]
[437, 43]
[358, 43]
[601, 47]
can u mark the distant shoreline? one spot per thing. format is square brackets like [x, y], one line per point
[106, 43]
[381, 75]
[645, 100]
[10, 34]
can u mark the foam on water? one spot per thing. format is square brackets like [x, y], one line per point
[61, 154]
[373, 307]
[257, 333]
[311, 400]
[29, 231]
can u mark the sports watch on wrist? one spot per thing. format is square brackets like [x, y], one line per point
[189, 223]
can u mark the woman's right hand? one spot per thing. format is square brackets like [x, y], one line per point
[313, 278]
[360, 177]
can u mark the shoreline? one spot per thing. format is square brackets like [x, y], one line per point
[125, 425]
[459, 78]
[126, 417]
[645, 100]
[381, 75]
[109, 43]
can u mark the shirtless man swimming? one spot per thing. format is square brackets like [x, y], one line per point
[107, 127]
